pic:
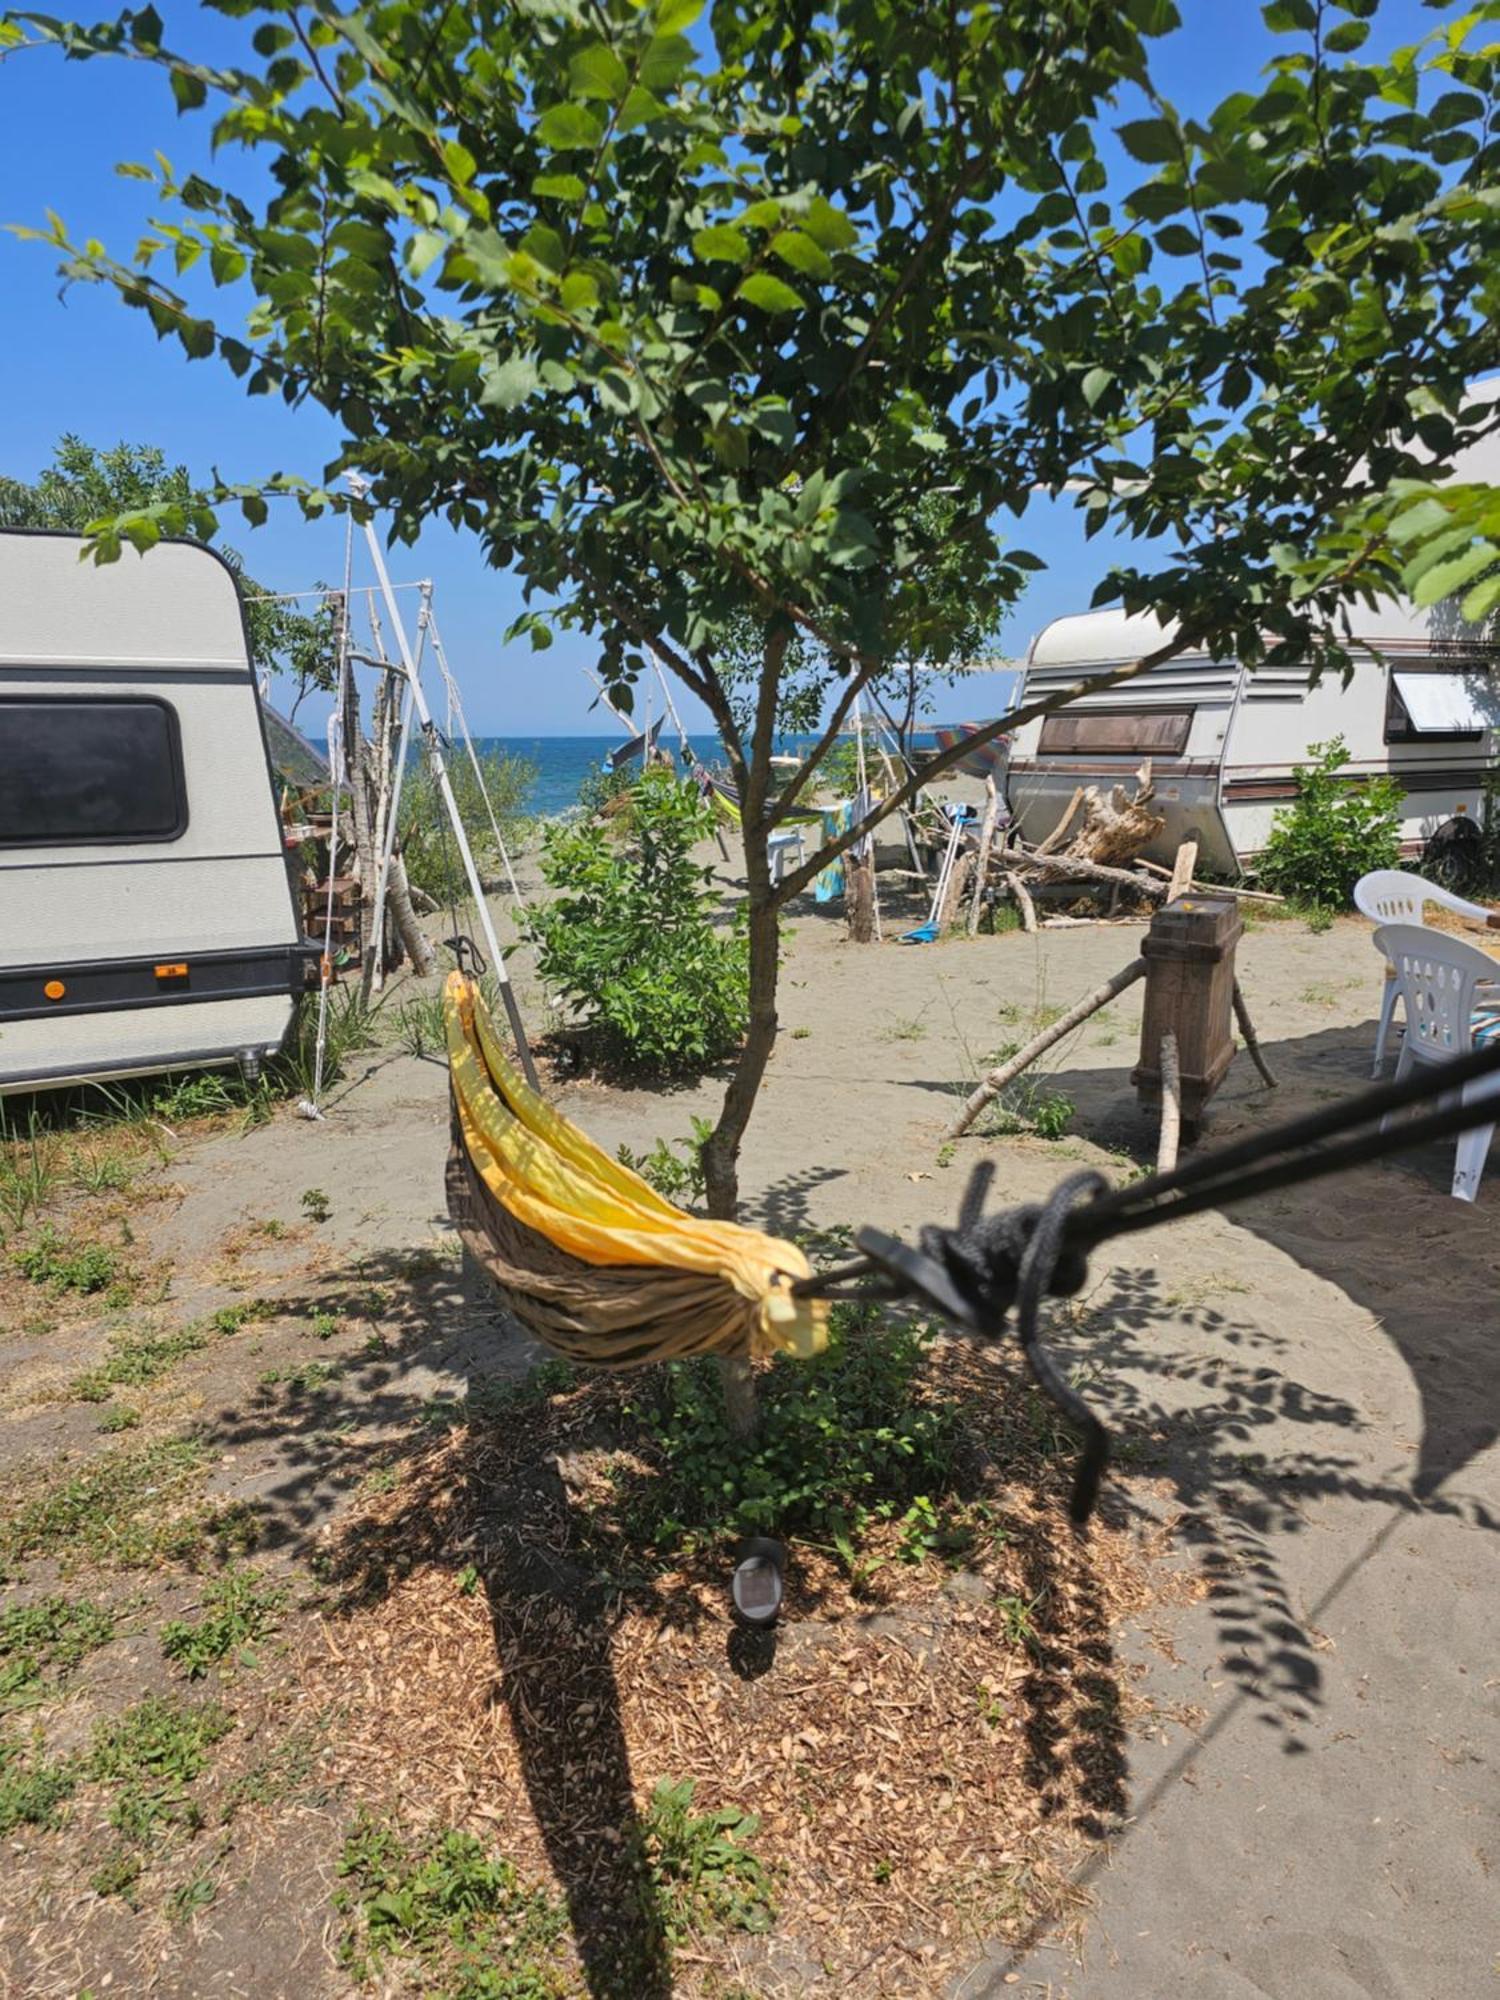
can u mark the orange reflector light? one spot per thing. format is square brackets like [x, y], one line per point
[171, 972]
[54, 989]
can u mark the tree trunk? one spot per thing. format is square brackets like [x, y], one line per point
[859, 883]
[401, 916]
[982, 861]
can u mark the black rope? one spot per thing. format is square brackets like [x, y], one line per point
[974, 1273]
[1044, 1253]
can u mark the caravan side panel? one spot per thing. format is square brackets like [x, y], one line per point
[123, 847]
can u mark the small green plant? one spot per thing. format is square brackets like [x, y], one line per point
[1052, 1115]
[52, 1635]
[631, 940]
[1334, 831]
[315, 1204]
[707, 1876]
[459, 1911]
[904, 1028]
[118, 1417]
[1016, 1618]
[136, 1359]
[189, 1897]
[420, 1027]
[239, 1608]
[30, 1164]
[679, 1177]
[100, 1173]
[150, 1755]
[118, 1875]
[31, 1787]
[229, 1319]
[324, 1325]
[63, 1266]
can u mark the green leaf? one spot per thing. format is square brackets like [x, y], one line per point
[1095, 383]
[1284, 17]
[570, 128]
[545, 245]
[1482, 599]
[639, 108]
[770, 294]
[1154, 141]
[460, 162]
[666, 57]
[675, 17]
[800, 253]
[597, 72]
[826, 225]
[579, 292]
[423, 249]
[720, 244]
[1177, 240]
[559, 187]
[1452, 575]
[508, 383]
[188, 89]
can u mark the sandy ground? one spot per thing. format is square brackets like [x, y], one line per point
[1315, 1377]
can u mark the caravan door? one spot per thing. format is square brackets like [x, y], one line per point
[146, 914]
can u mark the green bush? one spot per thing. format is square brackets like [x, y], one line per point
[630, 939]
[433, 863]
[1332, 833]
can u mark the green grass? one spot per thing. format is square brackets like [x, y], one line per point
[420, 1028]
[51, 1636]
[65, 1266]
[279, 1775]
[150, 1755]
[131, 1507]
[239, 1608]
[452, 1908]
[137, 1359]
[30, 1168]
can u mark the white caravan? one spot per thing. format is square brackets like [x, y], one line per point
[1224, 741]
[147, 919]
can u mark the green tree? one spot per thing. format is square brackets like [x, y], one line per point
[689, 328]
[85, 485]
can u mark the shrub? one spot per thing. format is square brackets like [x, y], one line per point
[631, 942]
[433, 863]
[1333, 832]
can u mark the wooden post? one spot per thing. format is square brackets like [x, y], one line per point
[1171, 1105]
[982, 863]
[997, 1079]
[958, 876]
[859, 896]
[1189, 954]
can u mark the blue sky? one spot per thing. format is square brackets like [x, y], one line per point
[83, 363]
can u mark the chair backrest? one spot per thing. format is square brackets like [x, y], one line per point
[1394, 896]
[1438, 975]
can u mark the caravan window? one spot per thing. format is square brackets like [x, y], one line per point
[80, 770]
[1117, 732]
[1439, 706]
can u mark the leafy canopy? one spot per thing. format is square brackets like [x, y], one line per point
[688, 315]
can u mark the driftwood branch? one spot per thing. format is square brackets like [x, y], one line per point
[982, 861]
[1252, 1040]
[1024, 903]
[1182, 868]
[1073, 870]
[997, 1079]
[1214, 888]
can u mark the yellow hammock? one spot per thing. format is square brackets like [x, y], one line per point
[582, 1251]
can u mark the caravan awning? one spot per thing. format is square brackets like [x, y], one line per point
[1444, 704]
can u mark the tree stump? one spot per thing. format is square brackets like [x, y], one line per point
[1189, 954]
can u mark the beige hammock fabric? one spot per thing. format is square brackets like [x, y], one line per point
[596, 1263]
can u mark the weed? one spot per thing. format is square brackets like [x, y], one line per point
[706, 1874]
[271, 1227]
[1005, 917]
[53, 1633]
[118, 1417]
[61, 1266]
[680, 1180]
[188, 1898]
[420, 1026]
[1051, 1115]
[946, 1153]
[150, 1755]
[315, 1204]
[383, 1479]
[132, 1506]
[800, 1034]
[136, 1359]
[275, 1777]
[1318, 996]
[117, 1875]
[324, 1325]
[31, 1788]
[100, 1173]
[311, 1375]
[229, 1319]
[904, 1028]
[239, 1607]
[844, 1440]
[29, 1168]
[457, 1909]
[1016, 1617]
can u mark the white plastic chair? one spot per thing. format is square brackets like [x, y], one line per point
[1392, 896]
[1438, 977]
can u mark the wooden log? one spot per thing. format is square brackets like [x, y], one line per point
[1023, 901]
[859, 877]
[1059, 833]
[1171, 1105]
[1212, 888]
[1008, 1071]
[1182, 868]
[1071, 869]
[953, 896]
[1252, 1040]
[982, 860]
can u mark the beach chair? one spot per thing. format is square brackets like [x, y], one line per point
[1439, 978]
[1392, 896]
